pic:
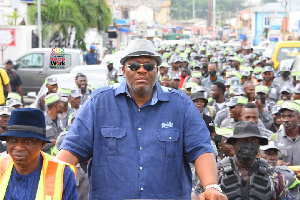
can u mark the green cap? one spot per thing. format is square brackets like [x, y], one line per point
[238, 59]
[295, 73]
[261, 88]
[257, 70]
[53, 98]
[196, 74]
[14, 95]
[249, 69]
[290, 105]
[237, 74]
[224, 131]
[191, 85]
[164, 64]
[65, 92]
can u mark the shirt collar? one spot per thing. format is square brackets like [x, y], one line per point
[158, 94]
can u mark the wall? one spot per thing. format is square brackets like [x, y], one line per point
[294, 21]
[6, 9]
[22, 40]
[258, 28]
[142, 14]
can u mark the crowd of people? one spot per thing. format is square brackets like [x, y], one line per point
[200, 120]
[230, 85]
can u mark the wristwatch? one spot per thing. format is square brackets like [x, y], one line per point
[215, 186]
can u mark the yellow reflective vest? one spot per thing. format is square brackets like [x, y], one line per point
[50, 185]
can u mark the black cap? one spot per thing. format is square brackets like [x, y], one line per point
[245, 129]
[199, 95]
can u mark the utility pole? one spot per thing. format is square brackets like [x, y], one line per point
[39, 23]
[112, 12]
[263, 20]
[284, 23]
[193, 9]
[214, 17]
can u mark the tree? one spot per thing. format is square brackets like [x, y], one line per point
[12, 18]
[68, 16]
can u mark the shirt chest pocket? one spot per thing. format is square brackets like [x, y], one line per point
[114, 140]
[168, 144]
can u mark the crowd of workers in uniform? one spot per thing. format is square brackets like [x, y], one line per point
[231, 85]
[251, 111]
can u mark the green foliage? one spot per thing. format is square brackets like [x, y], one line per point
[12, 18]
[65, 16]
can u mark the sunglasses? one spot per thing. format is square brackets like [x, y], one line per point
[4, 116]
[136, 66]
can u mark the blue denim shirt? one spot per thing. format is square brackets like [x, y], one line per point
[138, 152]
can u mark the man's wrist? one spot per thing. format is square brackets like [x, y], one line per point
[214, 186]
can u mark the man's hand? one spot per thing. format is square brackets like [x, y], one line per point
[281, 162]
[212, 194]
[259, 106]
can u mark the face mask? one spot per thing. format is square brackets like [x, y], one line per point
[286, 74]
[247, 152]
[213, 72]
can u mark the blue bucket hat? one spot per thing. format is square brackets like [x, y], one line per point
[26, 123]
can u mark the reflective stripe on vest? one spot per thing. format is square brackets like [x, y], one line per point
[50, 185]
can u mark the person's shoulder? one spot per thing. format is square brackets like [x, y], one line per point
[104, 90]
[205, 80]
[173, 92]
[207, 118]
[221, 79]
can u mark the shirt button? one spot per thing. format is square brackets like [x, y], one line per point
[142, 189]
[141, 148]
[139, 129]
[170, 138]
[141, 168]
[139, 110]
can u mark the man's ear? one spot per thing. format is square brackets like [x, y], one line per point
[123, 70]
[43, 144]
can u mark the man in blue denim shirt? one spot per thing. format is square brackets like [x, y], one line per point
[141, 137]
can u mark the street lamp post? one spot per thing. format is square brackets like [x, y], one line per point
[193, 9]
[284, 22]
[39, 23]
[214, 17]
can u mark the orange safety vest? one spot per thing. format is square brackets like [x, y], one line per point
[50, 185]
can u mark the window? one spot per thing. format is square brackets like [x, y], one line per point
[288, 53]
[35, 60]
[60, 62]
[266, 21]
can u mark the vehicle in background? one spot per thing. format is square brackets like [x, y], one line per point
[287, 63]
[284, 51]
[39, 63]
[89, 69]
[67, 80]
[296, 64]
[115, 58]
[233, 43]
[268, 52]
